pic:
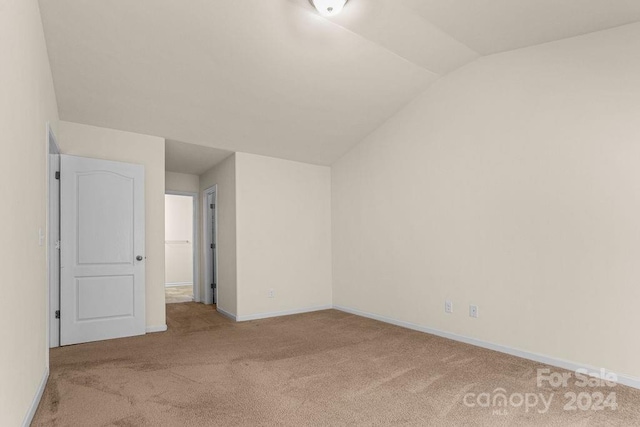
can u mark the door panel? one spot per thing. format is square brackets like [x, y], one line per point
[102, 226]
[105, 229]
[101, 297]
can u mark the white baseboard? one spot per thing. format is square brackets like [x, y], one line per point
[161, 328]
[548, 360]
[226, 314]
[173, 284]
[281, 313]
[36, 399]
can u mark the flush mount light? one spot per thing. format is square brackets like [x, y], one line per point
[328, 7]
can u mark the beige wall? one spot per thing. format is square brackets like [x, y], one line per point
[284, 235]
[178, 236]
[274, 232]
[181, 182]
[224, 176]
[26, 104]
[108, 144]
[513, 184]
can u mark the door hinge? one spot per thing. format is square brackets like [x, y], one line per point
[213, 286]
[57, 174]
[58, 243]
[213, 246]
[212, 206]
[57, 314]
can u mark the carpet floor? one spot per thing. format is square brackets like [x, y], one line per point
[317, 369]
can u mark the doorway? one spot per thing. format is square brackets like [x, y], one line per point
[102, 250]
[210, 243]
[95, 248]
[181, 247]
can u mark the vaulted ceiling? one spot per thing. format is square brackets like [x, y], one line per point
[275, 78]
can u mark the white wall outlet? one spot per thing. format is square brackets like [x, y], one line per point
[473, 311]
[448, 307]
[271, 293]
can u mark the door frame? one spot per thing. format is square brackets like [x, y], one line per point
[206, 242]
[53, 289]
[194, 240]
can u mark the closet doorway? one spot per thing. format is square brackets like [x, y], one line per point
[180, 247]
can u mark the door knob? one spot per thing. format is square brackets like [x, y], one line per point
[139, 257]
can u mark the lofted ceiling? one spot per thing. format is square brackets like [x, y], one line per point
[273, 77]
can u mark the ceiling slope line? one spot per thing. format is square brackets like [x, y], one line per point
[422, 18]
[373, 43]
[586, 34]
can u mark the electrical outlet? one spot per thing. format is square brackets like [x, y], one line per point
[271, 293]
[473, 311]
[448, 307]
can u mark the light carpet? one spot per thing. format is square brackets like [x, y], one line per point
[324, 368]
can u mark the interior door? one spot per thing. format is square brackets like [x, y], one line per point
[213, 253]
[212, 247]
[102, 283]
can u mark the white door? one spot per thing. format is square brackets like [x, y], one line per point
[102, 250]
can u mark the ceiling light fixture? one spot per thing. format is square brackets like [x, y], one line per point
[328, 7]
